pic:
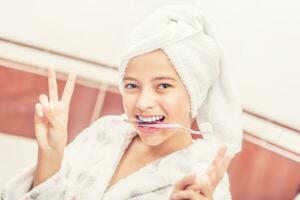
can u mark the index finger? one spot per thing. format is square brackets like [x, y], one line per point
[217, 160]
[217, 169]
[68, 91]
[220, 155]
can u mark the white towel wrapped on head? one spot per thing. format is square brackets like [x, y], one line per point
[184, 34]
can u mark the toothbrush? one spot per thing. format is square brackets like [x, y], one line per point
[204, 127]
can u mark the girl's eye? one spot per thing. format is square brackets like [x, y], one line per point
[164, 86]
[130, 86]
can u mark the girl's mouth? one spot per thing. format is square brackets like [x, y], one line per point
[144, 121]
[150, 120]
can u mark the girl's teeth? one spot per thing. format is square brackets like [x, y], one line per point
[150, 119]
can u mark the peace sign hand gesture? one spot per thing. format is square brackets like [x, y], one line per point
[202, 188]
[51, 115]
[50, 124]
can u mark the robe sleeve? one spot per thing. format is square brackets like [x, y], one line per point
[20, 186]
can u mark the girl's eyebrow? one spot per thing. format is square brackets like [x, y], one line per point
[153, 79]
[129, 78]
[164, 78]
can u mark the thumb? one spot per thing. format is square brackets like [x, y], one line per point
[184, 182]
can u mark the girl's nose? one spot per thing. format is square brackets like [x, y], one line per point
[145, 101]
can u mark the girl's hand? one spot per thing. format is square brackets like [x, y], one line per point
[202, 188]
[51, 115]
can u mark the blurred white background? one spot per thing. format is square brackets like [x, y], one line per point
[261, 39]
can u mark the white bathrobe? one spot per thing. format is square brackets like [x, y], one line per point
[91, 160]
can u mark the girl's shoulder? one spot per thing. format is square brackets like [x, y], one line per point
[103, 127]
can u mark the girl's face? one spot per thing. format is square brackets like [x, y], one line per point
[152, 90]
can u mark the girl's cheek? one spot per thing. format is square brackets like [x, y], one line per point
[176, 105]
[128, 103]
[172, 99]
[168, 105]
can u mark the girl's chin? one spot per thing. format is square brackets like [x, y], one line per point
[151, 141]
[154, 139]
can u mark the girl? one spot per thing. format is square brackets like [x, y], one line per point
[172, 72]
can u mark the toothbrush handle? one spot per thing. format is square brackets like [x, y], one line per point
[192, 131]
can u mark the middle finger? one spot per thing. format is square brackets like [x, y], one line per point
[69, 87]
[52, 85]
[216, 172]
[217, 161]
[220, 171]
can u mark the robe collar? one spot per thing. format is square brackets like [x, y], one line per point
[160, 174]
